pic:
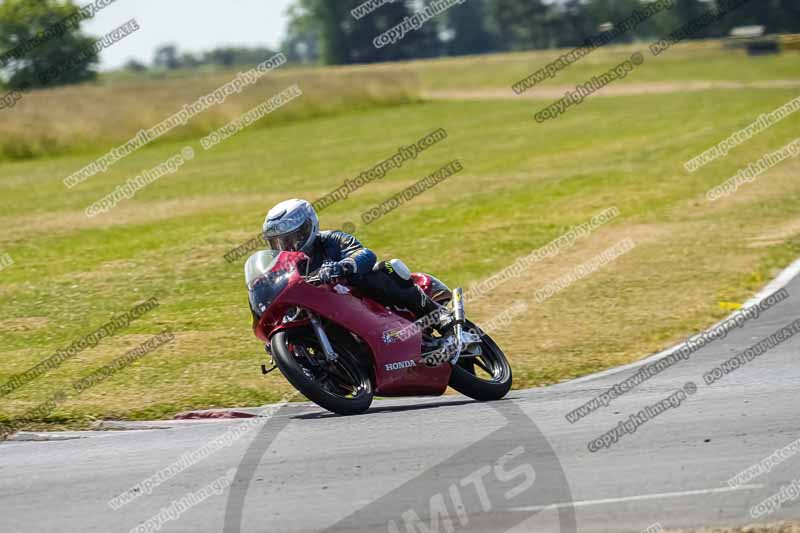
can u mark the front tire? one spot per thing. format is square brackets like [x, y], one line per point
[343, 387]
[486, 377]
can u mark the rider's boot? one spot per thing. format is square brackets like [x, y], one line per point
[432, 316]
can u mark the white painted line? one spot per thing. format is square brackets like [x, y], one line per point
[783, 279]
[780, 282]
[587, 503]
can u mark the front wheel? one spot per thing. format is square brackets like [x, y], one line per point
[342, 386]
[484, 377]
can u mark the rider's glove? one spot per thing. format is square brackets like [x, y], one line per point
[330, 272]
[348, 266]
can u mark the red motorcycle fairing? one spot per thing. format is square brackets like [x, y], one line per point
[397, 363]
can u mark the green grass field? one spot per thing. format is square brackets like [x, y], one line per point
[523, 185]
[686, 62]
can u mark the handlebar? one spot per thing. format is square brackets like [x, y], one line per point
[314, 280]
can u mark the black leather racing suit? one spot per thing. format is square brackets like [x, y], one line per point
[377, 283]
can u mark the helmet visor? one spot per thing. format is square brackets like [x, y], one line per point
[292, 241]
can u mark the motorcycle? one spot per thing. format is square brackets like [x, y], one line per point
[340, 348]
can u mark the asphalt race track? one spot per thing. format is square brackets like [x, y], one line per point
[446, 464]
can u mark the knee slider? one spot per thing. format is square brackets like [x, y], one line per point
[396, 269]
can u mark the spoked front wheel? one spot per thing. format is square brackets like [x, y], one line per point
[341, 386]
[483, 377]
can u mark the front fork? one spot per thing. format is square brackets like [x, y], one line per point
[322, 337]
[319, 331]
[458, 321]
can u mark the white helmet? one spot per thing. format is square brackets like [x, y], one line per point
[291, 225]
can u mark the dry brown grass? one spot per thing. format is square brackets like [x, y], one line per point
[88, 117]
[664, 87]
[777, 235]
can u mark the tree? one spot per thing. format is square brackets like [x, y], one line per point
[479, 26]
[521, 24]
[571, 24]
[690, 9]
[328, 17]
[613, 11]
[189, 60]
[166, 57]
[469, 24]
[790, 21]
[227, 57]
[774, 15]
[38, 36]
[302, 42]
[134, 65]
[347, 40]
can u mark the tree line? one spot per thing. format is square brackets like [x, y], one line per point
[336, 32]
[329, 32]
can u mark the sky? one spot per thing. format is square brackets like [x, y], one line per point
[193, 25]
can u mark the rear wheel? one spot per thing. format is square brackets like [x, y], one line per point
[342, 386]
[484, 377]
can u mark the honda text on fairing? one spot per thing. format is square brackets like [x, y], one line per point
[339, 347]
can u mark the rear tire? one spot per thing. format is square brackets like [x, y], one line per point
[346, 389]
[493, 364]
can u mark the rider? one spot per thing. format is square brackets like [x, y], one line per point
[293, 225]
